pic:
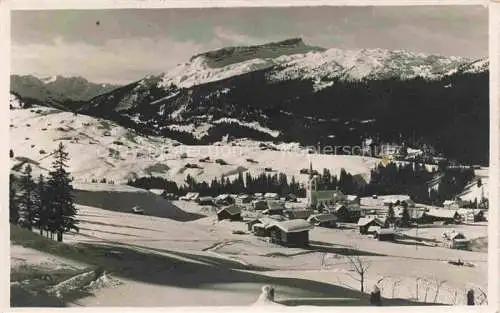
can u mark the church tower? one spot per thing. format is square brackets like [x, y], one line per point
[312, 187]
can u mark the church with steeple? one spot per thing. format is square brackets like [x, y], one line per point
[317, 197]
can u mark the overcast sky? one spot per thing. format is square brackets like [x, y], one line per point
[121, 46]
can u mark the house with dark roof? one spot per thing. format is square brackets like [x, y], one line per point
[385, 234]
[290, 233]
[230, 212]
[205, 201]
[364, 224]
[442, 215]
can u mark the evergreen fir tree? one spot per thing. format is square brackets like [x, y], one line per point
[60, 196]
[405, 219]
[42, 210]
[27, 198]
[13, 202]
[390, 214]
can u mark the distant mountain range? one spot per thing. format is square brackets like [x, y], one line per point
[289, 91]
[56, 89]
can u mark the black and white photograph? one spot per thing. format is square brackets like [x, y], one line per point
[249, 156]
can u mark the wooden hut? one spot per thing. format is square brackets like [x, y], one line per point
[259, 205]
[205, 201]
[365, 222]
[291, 233]
[231, 212]
[385, 234]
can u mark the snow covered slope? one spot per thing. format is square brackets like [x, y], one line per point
[101, 149]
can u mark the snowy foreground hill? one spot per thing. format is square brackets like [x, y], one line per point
[102, 149]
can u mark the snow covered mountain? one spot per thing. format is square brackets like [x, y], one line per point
[289, 91]
[56, 89]
[292, 59]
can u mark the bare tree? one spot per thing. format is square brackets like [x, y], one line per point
[394, 285]
[439, 284]
[360, 266]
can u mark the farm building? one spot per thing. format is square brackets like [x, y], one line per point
[230, 212]
[258, 226]
[365, 222]
[291, 233]
[385, 234]
[205, 200]
[259, 205]
[456, 240]
[224, 199]
[442, 215]
[323, 220]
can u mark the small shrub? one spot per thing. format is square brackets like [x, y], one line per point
[44, 129]
[43, 152]
[183, 155]
[32, 146]
[28, 125]
[119, 143]
[107, 133]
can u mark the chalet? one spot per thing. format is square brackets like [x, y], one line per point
[259, 205]
[452, 204]
[244, 198]
[205, 201]
[271, 196]
[372, 230]
[224, 199]
[323, 220]
[441, 215]
[158, 192]
[298, 214]
[385, 234]
[291, 197]
[258, 226]
[353, 199]
[365, 222]
[274, 208]
[345, 213]
[258, 195]
[456, 240]
[291, 233]
[230, 212]
[472, 215]
[190, 196]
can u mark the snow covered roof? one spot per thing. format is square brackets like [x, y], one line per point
[231, 209]
[158, 192]
[385, 231]
[373, 228]
[352, 198]
[292, 226]
[321, 218]
[442, 213]
[363, 221]
[223, 197]
[449, 202]
[275, 205]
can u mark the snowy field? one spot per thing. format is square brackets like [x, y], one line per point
[160, 261]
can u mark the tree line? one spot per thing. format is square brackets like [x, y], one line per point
[412, 179]
[46, 205]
